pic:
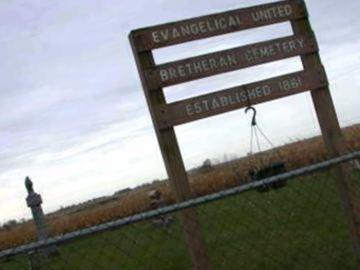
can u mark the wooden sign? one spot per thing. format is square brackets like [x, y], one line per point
[229, 60]
[239, 97]
[165, 116]
[217, 24]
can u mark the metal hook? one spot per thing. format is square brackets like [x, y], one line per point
[253, 121]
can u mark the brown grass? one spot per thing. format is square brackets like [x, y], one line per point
[223, 176]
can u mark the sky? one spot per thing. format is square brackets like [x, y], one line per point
[74, 117]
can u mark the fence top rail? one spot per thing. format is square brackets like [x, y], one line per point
[178, 206]
[217, 24]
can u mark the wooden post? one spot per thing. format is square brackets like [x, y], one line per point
[334, 141]
[174, 165]
[166, 116]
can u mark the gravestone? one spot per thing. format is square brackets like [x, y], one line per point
[157, 201]
[34, 201]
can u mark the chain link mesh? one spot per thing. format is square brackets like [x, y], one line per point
[301, 225]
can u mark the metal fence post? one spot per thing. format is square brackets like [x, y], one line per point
[356, 164]
[36, 260]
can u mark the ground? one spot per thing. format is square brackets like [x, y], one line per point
[301, 226]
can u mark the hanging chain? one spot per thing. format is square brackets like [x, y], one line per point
[257, 138]
[254, 129]
[251, 140]
[267, 139]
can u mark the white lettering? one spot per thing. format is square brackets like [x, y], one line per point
[181, 70]
[164, 75]
[267, 90]
[165, 34]
[197, 67]
[176, 33]
[243, 96]
[237, 96]
[172, 73]
[224, 101]
[212, 63]
[223, 23]
[185, 30]
[155, 36]
[205, 65]
[272, 13]
[202, 27]
[232, 59]
[194, 29]
[215, 104]
[197, 107]
[232, 22]
[206, 104]
[189, 110]
[259, 91]
[288, 10]
[301, 43]
[251, 93]
[214, 24]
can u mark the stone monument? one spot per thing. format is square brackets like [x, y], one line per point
[34, 201]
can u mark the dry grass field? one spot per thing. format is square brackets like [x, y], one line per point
[222, 176]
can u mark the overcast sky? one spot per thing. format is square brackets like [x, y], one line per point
[74, 117]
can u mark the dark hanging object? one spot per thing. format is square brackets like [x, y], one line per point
[266, 171]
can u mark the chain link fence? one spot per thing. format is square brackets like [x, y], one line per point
[256, 225]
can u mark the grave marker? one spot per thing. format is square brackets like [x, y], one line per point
[34, 201]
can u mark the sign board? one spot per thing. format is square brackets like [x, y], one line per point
[228, 60]
[165, 116]
[216, 24]
[239, 97]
